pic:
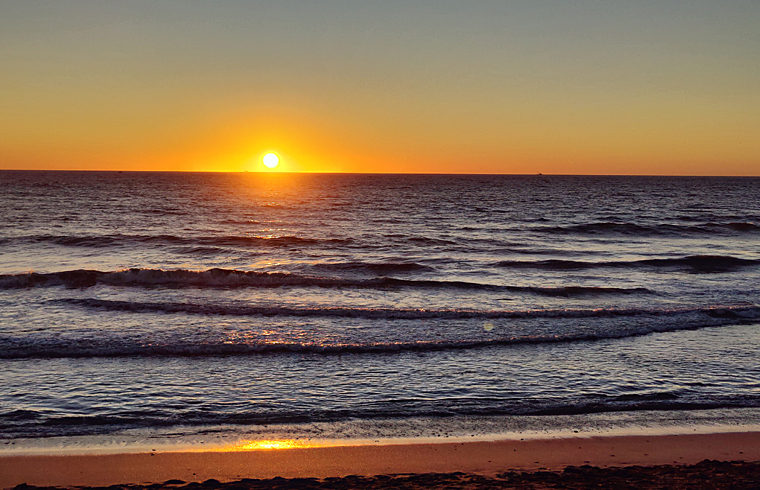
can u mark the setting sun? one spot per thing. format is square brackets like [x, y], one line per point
[271, 160]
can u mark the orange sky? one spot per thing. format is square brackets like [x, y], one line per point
[437, 86]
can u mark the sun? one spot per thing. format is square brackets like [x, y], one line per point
[271, 160]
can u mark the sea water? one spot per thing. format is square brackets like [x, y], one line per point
[183, 306]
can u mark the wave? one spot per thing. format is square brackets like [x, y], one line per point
[122, 345]
[105, 241]
[667, 229]
[731, 312]
[420, 240]
[375, 267]
[230, 278]
[43, 423]
[691, 263]
[118, 346]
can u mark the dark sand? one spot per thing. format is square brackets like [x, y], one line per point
[706, 474]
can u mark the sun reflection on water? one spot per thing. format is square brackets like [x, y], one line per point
[268, 444]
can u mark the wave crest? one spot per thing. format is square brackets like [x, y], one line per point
[657, 320]
[733, 312]
[690, 263]
[105, 241]
[664, 229]
[231, 278]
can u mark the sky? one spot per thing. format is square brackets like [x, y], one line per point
[425, 86]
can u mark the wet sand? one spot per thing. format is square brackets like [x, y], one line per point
[476, 459]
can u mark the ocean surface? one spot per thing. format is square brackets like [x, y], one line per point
[178, 305]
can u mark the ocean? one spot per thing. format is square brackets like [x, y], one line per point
[142, 308]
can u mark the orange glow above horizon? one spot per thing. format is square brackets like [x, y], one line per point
[308, 144]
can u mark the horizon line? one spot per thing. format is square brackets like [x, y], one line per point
[537, 174]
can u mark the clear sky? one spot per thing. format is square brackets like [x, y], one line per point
[611, 87]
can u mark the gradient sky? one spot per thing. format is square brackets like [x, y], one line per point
[611, 87]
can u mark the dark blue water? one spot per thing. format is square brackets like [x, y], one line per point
[175, 301]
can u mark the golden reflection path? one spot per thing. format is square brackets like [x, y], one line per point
[267, 444]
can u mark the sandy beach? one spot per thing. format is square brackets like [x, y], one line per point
[485, 458]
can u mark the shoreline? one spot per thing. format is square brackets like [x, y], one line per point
[487, 458]
[383, 432]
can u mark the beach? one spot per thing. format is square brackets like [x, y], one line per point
[335, 244]
[485, 458]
